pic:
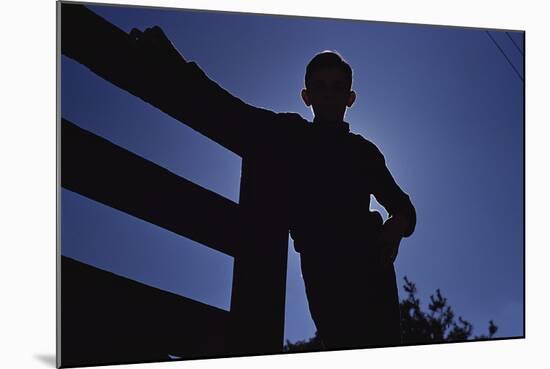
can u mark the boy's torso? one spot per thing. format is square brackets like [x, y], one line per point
[330, 189]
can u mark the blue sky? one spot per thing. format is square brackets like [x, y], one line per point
[442, 104]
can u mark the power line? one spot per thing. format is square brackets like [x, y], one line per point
[516, 45]
[509, 62]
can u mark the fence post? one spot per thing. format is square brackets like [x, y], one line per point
[259, 274]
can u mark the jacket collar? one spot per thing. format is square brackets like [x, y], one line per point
[331, 125]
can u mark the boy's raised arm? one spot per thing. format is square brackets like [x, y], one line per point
[201, 103]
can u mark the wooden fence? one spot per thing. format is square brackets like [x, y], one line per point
[254, 231]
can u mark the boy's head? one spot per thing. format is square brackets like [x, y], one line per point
[328, 86]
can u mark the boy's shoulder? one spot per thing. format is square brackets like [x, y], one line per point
[293, 119]
[294, 127]
[366, 147]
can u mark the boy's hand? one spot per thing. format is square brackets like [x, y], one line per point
[390, 238]
[154, 42]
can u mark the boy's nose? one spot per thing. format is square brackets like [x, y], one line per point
[327, 95]
[328, 100]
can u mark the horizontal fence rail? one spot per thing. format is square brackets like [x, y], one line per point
[96, 168]
[109, 319]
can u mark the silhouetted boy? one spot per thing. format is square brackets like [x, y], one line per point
[346, 250]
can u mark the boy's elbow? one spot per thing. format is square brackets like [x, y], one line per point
[407, 216]
[410, 215]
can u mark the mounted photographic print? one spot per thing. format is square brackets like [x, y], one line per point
[235, 184]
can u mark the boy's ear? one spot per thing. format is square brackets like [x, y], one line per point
[305, 97]
[351, 98]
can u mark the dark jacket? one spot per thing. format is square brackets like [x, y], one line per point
[333, 174]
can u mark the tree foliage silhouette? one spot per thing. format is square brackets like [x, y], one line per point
[436, 325]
